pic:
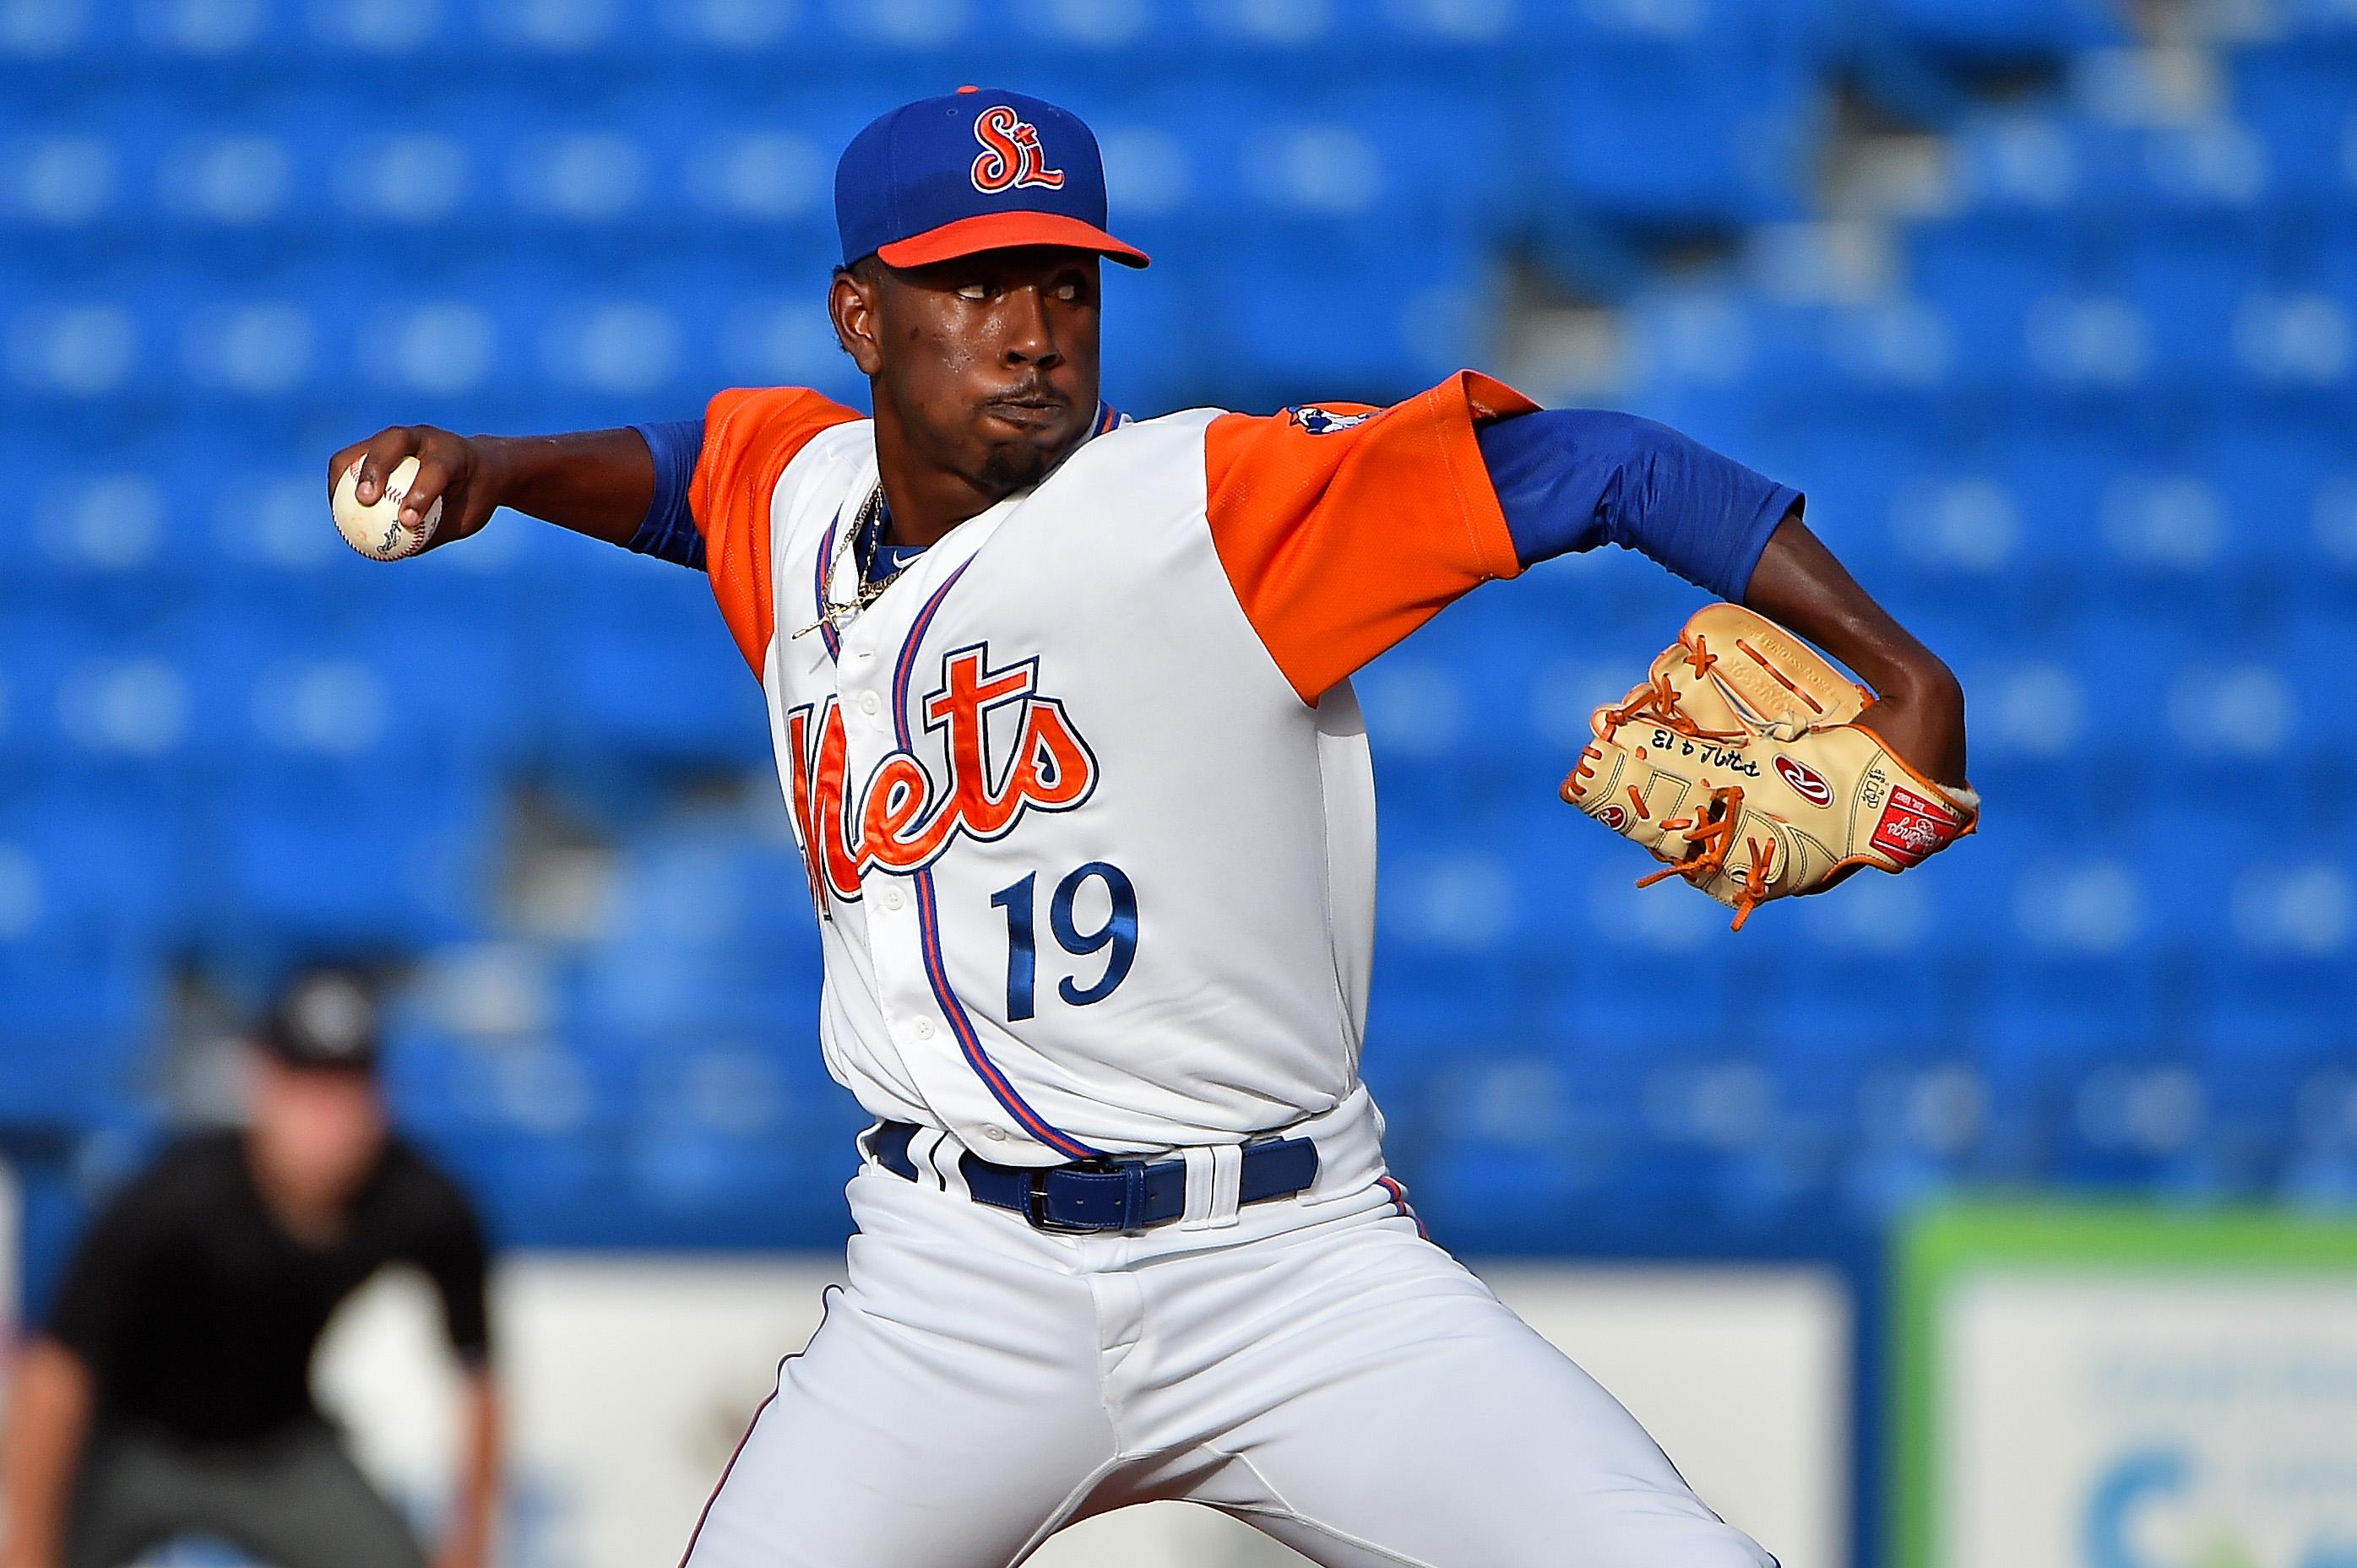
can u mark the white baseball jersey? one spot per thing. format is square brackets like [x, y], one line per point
[1085, 798]
[1090, 821]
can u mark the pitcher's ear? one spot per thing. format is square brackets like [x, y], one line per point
[851, 305]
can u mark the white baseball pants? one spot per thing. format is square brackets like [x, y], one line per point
[1312, 1365]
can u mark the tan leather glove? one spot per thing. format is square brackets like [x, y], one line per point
[1744, 765]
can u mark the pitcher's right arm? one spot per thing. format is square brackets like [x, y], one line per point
[602, 483]
[695, 492]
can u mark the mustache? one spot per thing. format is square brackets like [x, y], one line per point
[1037, 392]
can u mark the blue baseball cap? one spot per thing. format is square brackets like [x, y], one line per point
[977, 169]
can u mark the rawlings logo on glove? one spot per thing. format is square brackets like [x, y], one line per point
[1742, 765]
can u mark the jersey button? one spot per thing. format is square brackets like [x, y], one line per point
[892, 900]
[924, 1028]
[867, 703]
[995, 1134]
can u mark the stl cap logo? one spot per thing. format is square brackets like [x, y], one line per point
[1010, 155]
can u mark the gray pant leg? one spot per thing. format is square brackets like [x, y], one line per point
[297, 1501]
[126, 1501]
[303, 1503]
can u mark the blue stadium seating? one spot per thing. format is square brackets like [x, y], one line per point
[2089, 434]
[330, 861]
[1689, 134]
[83, 1013]
[1996, 31]
[2295, 95]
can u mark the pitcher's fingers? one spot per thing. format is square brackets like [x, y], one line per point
[386, 448]
[341, 464]
[437, 466]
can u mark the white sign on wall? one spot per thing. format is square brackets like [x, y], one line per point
[2130, 1389]
[631, 1380]
[2153, 1423]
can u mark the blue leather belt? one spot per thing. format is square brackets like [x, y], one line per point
[1109, 1194]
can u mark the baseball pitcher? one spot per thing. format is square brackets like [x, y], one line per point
[1063, 711]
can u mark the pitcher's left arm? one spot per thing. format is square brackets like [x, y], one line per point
[1571, 480]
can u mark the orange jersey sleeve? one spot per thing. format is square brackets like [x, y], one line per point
[749, 436]
[1343, 527]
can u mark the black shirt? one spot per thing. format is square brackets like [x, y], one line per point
[196, 1311]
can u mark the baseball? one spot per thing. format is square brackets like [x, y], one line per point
[377, 531]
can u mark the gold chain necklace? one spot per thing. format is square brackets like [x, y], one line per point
[837, 613]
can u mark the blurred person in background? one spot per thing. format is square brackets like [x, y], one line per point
[169, 1394]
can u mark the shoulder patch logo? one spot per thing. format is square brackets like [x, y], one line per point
[1011, 154]
[1319, 421]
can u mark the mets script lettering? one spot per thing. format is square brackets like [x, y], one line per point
[900, 820]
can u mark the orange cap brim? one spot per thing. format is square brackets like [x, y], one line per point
[1005, 232]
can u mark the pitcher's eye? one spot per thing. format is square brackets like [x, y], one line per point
[1067, 290]
[973, 291]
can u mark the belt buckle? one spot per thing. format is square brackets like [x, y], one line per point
[1035, 1208]
[1133, 1198]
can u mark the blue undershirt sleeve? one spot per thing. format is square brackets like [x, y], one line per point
[1570, 479]
[669, 530]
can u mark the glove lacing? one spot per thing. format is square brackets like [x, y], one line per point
[1657, 703]
[1710, 830]
[1717, 835]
